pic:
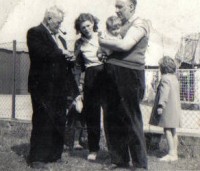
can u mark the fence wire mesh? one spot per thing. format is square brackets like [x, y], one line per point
[6, 80]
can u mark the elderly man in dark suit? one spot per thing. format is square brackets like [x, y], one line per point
[49, 83]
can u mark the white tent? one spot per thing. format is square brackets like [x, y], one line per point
[28, 13]
[170, 20]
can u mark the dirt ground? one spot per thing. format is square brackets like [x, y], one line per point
[14, 147]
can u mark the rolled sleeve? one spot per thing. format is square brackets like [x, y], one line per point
[140, 28]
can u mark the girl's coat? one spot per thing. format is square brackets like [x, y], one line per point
[168, 95]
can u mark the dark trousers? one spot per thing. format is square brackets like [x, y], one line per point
[48, 125]
[93, 86]
[124, 128]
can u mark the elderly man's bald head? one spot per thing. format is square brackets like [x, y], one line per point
[53, 18]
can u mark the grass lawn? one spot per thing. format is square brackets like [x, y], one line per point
[14, 147]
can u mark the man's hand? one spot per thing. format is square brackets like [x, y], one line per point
[160, 110]
[67, 53]
[69, 56]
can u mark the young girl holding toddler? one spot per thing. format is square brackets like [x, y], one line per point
[166, 111]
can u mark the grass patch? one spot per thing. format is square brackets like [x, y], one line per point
[14, 148]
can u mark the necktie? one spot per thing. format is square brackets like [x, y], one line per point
[60, 41]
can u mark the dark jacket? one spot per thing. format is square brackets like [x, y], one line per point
[48, 67]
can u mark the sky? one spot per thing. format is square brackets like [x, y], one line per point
[170, 19]
[6, 7]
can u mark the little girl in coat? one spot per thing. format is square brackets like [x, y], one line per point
[166, 111]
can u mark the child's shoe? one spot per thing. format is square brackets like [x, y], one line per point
[174, 157]
[77, 146]
[166, 158]
[92, 156]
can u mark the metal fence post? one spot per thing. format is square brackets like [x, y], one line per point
[14, 79]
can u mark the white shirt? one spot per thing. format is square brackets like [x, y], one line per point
[89, 51]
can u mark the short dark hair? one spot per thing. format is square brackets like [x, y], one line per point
[112, 22]
[86, 17]
[167, 65]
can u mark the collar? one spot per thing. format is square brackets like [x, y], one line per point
[48, 29]
[93, 40]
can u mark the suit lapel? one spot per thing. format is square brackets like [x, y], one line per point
[47, 35]
[50, 38]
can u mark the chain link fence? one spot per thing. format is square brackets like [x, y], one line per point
[6, 75]
[15, 100]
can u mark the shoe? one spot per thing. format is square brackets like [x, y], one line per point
[174, 157]
[92, 156]
[38, 165]
[78, 147]
[116, 166]
[140, 167]
[166, 158]
[110, 167]
[61, 161]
